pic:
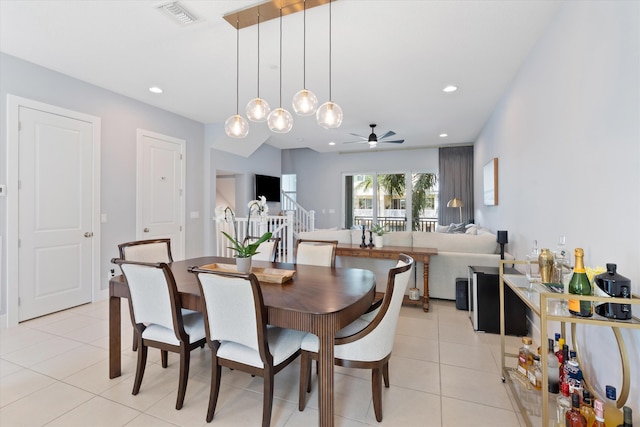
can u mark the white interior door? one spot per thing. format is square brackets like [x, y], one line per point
[160, 198]
[55, 212]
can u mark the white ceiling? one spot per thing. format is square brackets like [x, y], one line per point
[390, 60]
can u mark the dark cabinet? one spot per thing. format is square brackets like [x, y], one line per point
[484, 303]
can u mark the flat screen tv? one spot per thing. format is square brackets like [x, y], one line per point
[269, 187]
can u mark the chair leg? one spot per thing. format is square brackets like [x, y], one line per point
[164, 357]
[185, 357]
[376, 391]
[216, 372]
[305, 379]
[142, 362]
[385, 374]
[267, 403]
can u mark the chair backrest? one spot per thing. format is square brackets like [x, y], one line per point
[156, 250]
[316, 252]
[153, 295]
[376, 340]
[234, 309]
[267, 251]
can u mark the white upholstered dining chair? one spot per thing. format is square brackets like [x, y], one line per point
[315, 252]
[364, 344]
[237, 333]
[159, 320]
[152, 250]
[267, 251]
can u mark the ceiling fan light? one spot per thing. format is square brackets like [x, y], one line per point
[236, 126]
[329, 115]
[258, 110]
[305, 103]
[280, 120]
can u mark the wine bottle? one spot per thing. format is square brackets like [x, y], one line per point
[573, 417]
[599, 408]
[563, 404]
[628, 420]
[579, 285]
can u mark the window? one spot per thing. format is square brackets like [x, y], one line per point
[382, 199]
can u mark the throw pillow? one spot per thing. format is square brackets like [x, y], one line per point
[457, 228]
[442, 228]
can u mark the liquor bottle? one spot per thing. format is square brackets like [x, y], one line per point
[579, 285]
[586, 407]
[563, 404]
[573, 374]
[612, 415]
[599, 408]
[552, 370]
[628, 420]
[563, 363]
[532, 266]
[573, 417]
[559, 353]
[535, 373]
[525, 357]
[557, 341]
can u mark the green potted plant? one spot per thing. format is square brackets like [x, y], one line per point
[379, 231]
[244, 250]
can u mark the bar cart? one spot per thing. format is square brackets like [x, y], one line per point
[550, 306]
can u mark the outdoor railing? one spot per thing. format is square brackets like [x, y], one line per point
[396, 224]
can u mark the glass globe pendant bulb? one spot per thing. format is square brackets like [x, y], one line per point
[329, 115]
[280, 120]
[258, 110]
[236, 126]
[305, 103]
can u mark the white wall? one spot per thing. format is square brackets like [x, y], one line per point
[320, 176]
[567, 135]
[121, 116]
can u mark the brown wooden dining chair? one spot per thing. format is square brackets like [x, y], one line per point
[315, 252]
[267, 251]
[237, 333]
[364, 344]
[152, 250]
[159, 320]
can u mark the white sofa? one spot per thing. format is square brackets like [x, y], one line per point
[456, 252]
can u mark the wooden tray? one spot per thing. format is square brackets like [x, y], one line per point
[268, 275]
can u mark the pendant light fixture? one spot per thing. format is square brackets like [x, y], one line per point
[329, 115]
[258, 109]
[237, 126]
[304, 102]
[280, 120]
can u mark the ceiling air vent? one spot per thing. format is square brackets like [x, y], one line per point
[178, 13]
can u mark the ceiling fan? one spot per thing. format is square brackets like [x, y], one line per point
[373, 139]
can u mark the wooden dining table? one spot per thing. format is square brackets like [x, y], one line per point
[319, 300]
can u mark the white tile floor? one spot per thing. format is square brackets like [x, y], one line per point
[53, 372]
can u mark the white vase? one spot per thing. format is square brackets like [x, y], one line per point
[377, 241]
[243, 265]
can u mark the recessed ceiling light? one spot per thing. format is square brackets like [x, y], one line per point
[155, 89]
[450, 88]
[332, 143]
[443, 135]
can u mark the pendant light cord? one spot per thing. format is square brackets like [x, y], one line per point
[237, 66]
[304, 44]
[330, 1]
[258, 79]
[280, 57]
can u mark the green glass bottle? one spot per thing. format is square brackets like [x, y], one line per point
[579, 285]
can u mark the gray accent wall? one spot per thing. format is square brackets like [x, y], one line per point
[567, 135]
[120, 117]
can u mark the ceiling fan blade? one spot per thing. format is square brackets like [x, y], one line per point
[396, 141]
[359, 136]
[386, 135]
[364, 141]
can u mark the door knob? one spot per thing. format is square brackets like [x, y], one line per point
[146, 230]
[88, 234]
